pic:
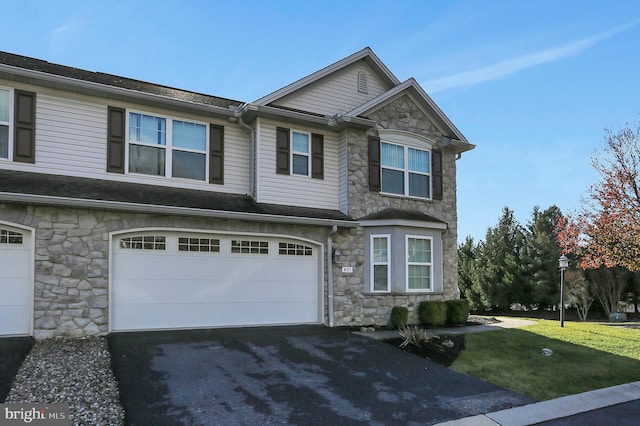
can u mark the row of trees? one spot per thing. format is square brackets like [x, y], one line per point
[518, 264]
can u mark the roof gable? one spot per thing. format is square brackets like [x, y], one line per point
[411, 88]
[380, 70]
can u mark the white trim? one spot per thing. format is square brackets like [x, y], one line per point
[183, 211]
[168, 146]
[402, 137]
[10, 123]
[430, 264]
[406, 172]
[372, 263]
[300, 153]
[32, 260]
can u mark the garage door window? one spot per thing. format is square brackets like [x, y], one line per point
[290, 249]
[208, 245]
[249, 247]
[10, 237]
[147, 242]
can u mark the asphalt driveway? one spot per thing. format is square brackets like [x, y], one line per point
[306, 375]
[13, 350]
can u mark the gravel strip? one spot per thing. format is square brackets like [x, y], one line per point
[73, 371]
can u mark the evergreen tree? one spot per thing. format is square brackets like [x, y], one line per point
[540, 259]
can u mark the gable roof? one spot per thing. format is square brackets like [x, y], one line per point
[365, 54]
[431, 108]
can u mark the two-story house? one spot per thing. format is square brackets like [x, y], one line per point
[126, 205]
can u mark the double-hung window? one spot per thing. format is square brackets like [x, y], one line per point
[5, 120]
[300, 153]
[168, 147]
[380, 271]
[405, 170]
[419, 263]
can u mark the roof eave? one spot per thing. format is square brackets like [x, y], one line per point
[250, 112]
[171, 210]
[93, 88]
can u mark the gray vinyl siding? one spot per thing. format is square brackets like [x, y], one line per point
[337, 93]
[71, 140]
[291, 189]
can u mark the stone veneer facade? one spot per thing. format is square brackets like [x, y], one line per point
[353, 304]
[71, 294]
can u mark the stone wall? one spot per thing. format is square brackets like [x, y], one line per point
[71, 295]
[352, 304]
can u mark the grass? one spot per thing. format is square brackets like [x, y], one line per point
[586, 356]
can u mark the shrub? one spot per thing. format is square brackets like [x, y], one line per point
[415, 335]
[399, 316]
[457, 311]
[433, 312]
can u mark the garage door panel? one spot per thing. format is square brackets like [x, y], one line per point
[168, 288]
[16, 285]
[176, 315]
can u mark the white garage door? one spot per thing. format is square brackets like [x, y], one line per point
[15, 281]
[166, 280]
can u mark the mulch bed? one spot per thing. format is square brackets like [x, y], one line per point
[443, 349]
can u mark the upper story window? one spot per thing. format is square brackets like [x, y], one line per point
[5, 102]
[300, 157]
[162, 146]
[405, 170]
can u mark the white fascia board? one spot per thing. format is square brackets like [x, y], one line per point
[171, 210]
[335, 122]
[365, 53]
[102, 88]
[404, 222]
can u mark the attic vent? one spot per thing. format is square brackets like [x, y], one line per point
[362, 82]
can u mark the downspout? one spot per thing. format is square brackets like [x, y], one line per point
[330, 273]
[252, 154]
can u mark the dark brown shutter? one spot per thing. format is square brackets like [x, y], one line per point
[436, 173]
[317, 156]
[115, 139]
[216, 154]
[282, 151]
[24, 147]
[374, 164]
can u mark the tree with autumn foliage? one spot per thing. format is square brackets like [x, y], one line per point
[606, 233]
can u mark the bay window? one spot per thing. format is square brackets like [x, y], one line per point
[380, 273]
[419, 263]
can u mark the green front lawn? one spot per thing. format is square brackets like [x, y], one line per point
[586, 356]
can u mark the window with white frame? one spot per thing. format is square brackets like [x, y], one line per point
[419, 263]
[380, 270]
[5, 121]
[405, 170]
[300, 153]
[163, 146]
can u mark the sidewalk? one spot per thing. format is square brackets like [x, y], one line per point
[564, 408]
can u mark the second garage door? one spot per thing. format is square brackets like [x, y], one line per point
[166, 280]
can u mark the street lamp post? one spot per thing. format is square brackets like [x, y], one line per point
[563, 262]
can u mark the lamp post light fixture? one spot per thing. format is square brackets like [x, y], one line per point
[563, 263]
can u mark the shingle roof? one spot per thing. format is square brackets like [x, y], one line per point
[40, 65]
[46, 185]
[401, 214]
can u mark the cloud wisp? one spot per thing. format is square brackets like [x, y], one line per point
[511, 66]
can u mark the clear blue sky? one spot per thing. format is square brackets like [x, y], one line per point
[532, 83]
